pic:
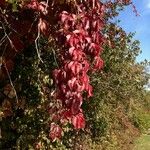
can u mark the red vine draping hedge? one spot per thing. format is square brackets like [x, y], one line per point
[76, 27]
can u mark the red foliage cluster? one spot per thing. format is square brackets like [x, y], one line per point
[81, 39]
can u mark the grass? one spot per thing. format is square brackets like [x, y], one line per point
[143, 143]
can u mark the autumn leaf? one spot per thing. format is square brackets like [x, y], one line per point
[78, 121]
[55, 132]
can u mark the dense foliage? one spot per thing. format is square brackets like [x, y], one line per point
[51, 65]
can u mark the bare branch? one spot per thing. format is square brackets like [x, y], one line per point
[2, 40]
[10, 80]
[36, 44]
[10, 41]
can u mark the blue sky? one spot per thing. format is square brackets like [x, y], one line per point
[139, 24]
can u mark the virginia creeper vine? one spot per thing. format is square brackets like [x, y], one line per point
[76, 26]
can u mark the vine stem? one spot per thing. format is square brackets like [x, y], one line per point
[36, 45]
[10, 80]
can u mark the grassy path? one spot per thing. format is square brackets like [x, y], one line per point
[143, 143]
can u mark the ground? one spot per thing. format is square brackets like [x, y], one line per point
[143, 143]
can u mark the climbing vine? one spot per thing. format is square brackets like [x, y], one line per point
[76, 29]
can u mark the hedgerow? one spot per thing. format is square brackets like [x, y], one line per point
[68, 75]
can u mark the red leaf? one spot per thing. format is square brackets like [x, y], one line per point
[55, 132]
[76, 54]
[64, 16]
[87, 24]
[98, 63]
[71, 83]
[85, 80]
[43, 26]
[80, 87]
[90, 89]
[78, 121]
[73, 40]
[43, 7]
[63, 88]
[35, 5]
[96, 49]
[76, 104]
[85, 65]
[66, 114]
[75, 67]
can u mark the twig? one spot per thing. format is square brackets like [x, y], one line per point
[1, 62]
[36, 44]
[38, 36]
[46, 5]
[33, 23]
[7, 23]
[10, 41]
[2, 40]
[11, 82]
